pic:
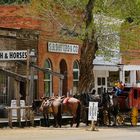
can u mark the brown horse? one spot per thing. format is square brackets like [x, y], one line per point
[51, 106]
[59, 105]
[73, 106]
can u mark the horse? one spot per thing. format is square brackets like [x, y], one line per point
[110, 107]
[47, 106]
[73, 106]
[59, 105]
[51, 106]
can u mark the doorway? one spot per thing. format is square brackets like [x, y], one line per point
[22, 91]
[63, 70]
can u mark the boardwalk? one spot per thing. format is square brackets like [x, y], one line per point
[38, 121]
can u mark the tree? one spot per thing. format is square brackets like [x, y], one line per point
[75, 19]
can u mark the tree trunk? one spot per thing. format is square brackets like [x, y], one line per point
[88, 50]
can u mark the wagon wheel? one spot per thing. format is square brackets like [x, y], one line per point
[105, 117]
[120, 119]
[134, 116]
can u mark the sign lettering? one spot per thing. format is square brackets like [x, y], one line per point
[63, 48]
[13, 55]
[93, 111]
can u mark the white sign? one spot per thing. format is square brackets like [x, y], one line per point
[14, 111]
[93, 111]
[63, 48]
[13, 55]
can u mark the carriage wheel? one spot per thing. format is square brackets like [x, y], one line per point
[105, 117]
[120, 119]
[134, 116]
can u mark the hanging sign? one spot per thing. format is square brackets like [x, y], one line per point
[13, 55]
[93, 111]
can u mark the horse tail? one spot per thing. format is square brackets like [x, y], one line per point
[78, 113]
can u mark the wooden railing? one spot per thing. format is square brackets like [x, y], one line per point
[29, 115]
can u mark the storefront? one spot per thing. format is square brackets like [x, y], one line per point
[14, 44]
[61, 58]
[106, 73]
[130, 74]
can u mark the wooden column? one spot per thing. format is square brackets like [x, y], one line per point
[10, 118]
[17, 93]
[27, 73]
[18, 102]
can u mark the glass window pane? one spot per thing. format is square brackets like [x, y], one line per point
[75, 66]
[75, 75]
[47, 76]
[127, 76]
[47, 88]
[75, 87]
[47, 64]
[103, 81]
[99, 81]
[48, 79]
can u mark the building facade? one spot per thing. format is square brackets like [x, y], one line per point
[56, 70]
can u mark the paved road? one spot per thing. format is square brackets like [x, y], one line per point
[67, 133]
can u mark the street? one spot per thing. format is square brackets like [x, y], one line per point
[68, 133]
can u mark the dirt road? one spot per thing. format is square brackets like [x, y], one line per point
[67, 133]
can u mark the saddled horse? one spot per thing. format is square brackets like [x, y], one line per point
[73, 106]
[49, 106]
[59, 105]
[110, 107]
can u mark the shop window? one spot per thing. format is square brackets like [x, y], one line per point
[3, 89]
[75, 77]
[101, 81]
[113, 78]
[101, 85]
[127, 76]
[48, 79]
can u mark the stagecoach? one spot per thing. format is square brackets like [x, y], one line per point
[129, 105]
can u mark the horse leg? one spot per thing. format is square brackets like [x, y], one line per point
[46, 120]
[55, 120]
[78, 113]
[72, 121]
[59, 116]
[109, 117]
[115, 117]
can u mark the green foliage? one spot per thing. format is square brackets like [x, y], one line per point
[70, 14]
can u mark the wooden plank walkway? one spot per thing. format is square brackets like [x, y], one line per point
[38, 121]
